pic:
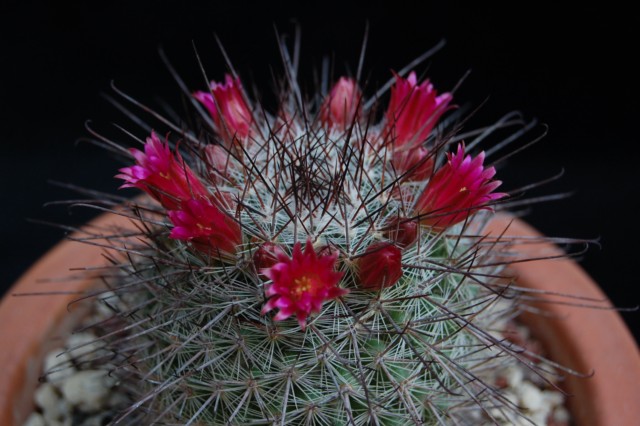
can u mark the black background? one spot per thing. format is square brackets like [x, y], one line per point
[570, 68]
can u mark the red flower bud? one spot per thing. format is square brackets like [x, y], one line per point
[217, 160]
[342, 105]
[329, 250]
[414, 164]
[380, 266]
[414, 110]
[228, 109]
[401, 231]
[266, 256]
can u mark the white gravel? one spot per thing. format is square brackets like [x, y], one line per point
[88, 390]
[73, 396]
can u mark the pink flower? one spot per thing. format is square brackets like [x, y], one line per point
[414, 164]
[161, 174]
[342, 105]
[227, 107]
[457, 189]
[300, 284]
[380, 266]
[206, 227]
[413, 111]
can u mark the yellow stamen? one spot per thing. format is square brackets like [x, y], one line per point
[201, 226]
[301, 285]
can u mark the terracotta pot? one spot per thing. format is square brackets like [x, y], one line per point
[31, 326]
[580, 338]
[584, 339]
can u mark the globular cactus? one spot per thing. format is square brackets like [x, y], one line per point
[317, 264]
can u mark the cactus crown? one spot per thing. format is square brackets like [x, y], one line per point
[312, 265]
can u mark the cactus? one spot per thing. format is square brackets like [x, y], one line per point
[320, 265]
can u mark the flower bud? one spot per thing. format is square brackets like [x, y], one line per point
[402, 231]
[228, 109]
[217, 159]
[414, 164]
[414, 110]
[329, 250]
[380, 266]
[266, 256]
[342, 105]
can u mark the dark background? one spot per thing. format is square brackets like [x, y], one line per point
[570, 68]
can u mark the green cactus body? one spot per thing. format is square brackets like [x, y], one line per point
[199, 347]
[398, 356]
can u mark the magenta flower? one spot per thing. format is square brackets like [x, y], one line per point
[413, 111]
[208, 228]
[162, 175]
[342, 106]
[380, 266]
[227, 108]
[457, 189]
[300, 284]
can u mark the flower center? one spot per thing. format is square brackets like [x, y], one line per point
[301, 285]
